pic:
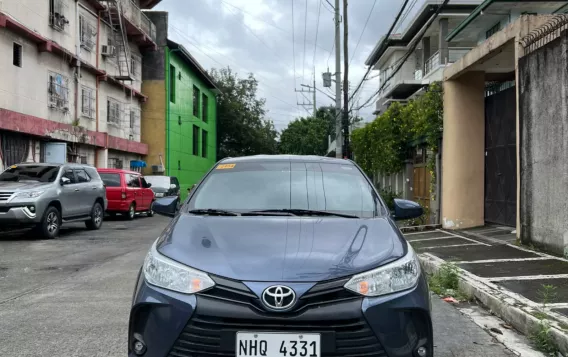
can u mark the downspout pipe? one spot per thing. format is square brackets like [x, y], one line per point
[97, 84]
[78, 62]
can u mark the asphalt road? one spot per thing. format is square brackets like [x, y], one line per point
[71, 296]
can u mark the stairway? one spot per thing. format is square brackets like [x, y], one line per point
[120, 40]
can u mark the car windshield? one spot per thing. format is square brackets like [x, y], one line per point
[37, 173]
[257, 186]
[158, 181]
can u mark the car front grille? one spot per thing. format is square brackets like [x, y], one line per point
[4, 196]
[206, 336]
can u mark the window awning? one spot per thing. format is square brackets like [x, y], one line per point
[137, 163]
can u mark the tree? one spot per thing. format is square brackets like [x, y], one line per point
[241, 125]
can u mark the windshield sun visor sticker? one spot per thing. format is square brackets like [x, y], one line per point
[225, 166]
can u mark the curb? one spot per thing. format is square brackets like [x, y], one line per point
[511, 310]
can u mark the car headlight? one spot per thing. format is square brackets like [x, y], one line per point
[29, 194]
[166, 273]
[399, 275]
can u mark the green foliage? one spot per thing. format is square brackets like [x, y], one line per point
[542, 339]
[308, 136]
[445, 280]
[383, 145]
[242, 128]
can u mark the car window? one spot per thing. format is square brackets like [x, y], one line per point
[39, 173]
[68, 173]
[329, 187]
[144, 183]
[111, 180]
[175, 181]
[92, 172]
[82, 176]
[133, 180]
[159, 181]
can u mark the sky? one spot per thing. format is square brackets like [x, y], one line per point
[276, 41]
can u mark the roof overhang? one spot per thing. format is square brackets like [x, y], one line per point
[417, 23]
[149, 4]
[192, 62]
[490, 12]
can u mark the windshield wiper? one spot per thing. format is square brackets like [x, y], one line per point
[213, 212]
[307, 212]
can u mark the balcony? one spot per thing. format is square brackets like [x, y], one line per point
[137, 24]
[435, 62]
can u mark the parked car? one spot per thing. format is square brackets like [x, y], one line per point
[164, 186]
[44, 196]
[282, 256]
[127, 192]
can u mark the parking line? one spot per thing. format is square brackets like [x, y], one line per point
[500, 260]
[423, 232]
[469, 239]
[434, 238]
[527, 277]
[450, 246]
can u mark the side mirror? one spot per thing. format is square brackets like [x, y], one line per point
[148, 185]
[173, 186]
[166, 206]
[65, 181]
[405, 209]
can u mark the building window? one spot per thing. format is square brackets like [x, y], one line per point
[135, 64]
[17, 55]
[204, 106]
[87, 33]
[203, 143]
[57, 12]
[493, 30]
[58, 91]
[114, 163]
[134, 119]
[113, 111]
[172, 84]
[88, 102]
[83, 160]
[195, 101]
[195, 140]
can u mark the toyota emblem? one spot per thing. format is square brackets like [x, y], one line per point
[278, 297]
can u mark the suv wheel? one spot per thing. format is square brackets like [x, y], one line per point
[131, 214]
[50, 224]
[150, 212]
[96, 220]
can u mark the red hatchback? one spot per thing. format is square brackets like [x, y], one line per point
[127, 192]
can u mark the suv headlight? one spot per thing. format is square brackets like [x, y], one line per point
[29, 194]
[166, 273]
[399, 275]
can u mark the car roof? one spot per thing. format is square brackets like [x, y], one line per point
[294, 158]
[38, 164]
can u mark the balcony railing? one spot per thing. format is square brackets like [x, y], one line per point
[418, 75]
[133, 13]
[435, 61]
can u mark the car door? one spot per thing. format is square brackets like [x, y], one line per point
[70, 196]
[88, 191]
[147, 193]
[133, 189]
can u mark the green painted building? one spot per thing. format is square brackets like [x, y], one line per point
[179, 121]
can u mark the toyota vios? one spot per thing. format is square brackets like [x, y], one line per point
[282, 256]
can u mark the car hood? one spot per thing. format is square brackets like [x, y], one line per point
[23, 185]
[158, 189]
[297, 249]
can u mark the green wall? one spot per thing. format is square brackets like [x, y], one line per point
[181, 162]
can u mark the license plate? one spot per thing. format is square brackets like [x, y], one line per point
[159, 195]
[266, 344]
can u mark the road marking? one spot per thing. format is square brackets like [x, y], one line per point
[423, 232]
[434, 238]
[457, 235]
[499, 260]
[534, 251]
[557, 305]
[527, 277]
[450, 246]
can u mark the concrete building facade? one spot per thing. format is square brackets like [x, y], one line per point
[180, 124]
[72, 73]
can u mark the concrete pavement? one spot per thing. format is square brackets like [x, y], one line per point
[71, 296]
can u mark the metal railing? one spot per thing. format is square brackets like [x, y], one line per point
[418, 75]
[133, 13]
[435, 61]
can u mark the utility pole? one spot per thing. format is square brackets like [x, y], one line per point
[309, 90]
[338, 137]
[346, 153]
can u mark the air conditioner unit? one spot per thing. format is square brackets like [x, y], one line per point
[158, 169]
[108, 51]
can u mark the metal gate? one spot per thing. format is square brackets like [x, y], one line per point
[500, 156]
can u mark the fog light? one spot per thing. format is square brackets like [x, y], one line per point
[421, 351]
[31, 208]
[139, 346]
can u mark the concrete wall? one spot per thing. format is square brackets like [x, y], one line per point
[543, 83]
[154, 122]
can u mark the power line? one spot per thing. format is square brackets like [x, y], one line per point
[362, 32]
[294, 48]
[406, 55]
[305, 37]
[382, 44]
[406, 15]
[316, 40]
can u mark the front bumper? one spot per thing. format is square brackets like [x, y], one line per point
[20, 214]
[173, 324]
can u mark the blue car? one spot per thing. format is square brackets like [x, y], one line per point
[282, 256]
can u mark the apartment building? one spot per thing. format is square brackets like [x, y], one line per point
[424, 64]
[71, 81]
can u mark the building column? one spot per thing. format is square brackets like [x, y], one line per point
[102, 158]
[463, 152]
[425, 53]
[442, 44]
